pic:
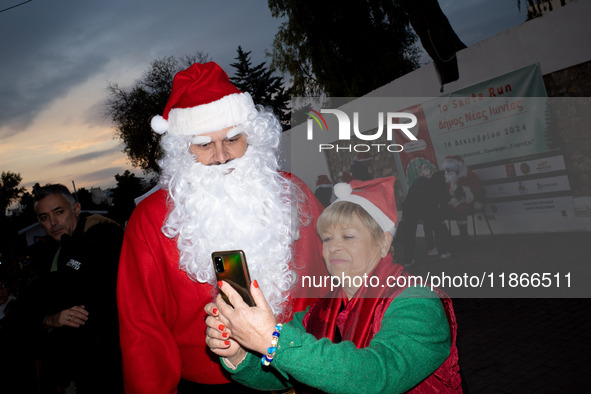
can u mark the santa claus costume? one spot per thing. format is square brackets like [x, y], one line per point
[166, 276]
[465, 191]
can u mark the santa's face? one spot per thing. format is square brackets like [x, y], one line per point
[451, 177]
[218, 147]
[425, 171]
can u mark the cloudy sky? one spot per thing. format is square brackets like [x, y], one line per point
[58, 57]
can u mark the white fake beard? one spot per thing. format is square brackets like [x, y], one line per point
[244, 204]
[451, 177]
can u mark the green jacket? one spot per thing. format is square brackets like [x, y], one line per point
[414, 340]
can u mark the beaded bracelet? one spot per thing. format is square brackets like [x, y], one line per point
[266, 359]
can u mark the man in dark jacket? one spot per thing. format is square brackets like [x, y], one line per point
[424, 201]
[71, 308]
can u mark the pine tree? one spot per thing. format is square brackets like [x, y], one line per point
[342, 49]
[131, 109]
[265, 88]
[9, 189]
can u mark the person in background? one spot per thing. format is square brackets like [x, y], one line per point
[17, 366]
[423, 203]
[323, 190]
[7, 296]
[220, 189]
[465, 192]
[364, 336]
[345, 176]
[438, 239]
[360, 168]
[69, 312]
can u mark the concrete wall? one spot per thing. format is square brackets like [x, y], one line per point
[557, 41]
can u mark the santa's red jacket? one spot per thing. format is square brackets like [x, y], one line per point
[161, 316]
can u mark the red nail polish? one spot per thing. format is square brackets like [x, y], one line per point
[221, 327]
[215, 311]
[225, 334]
[227, 343]
[256, 284]
[219, 283]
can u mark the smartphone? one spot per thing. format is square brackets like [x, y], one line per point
[230, 266]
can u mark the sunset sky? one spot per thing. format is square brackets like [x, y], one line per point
[58, 57]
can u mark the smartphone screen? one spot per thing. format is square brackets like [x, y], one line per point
[230, 266]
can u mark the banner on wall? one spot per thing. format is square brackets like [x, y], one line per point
[503, 128]
[499, 128]
[493, 120]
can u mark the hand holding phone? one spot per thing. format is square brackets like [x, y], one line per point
[230, 266]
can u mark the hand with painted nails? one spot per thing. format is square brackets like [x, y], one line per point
[251, 327]
[217, 337]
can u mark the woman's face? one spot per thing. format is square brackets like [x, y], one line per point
[350, 250]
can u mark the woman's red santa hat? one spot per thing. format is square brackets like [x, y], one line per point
[376, 196]
[203, 100]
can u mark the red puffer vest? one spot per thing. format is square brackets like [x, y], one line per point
[363, 322]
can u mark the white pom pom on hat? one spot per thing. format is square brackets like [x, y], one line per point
[159, 124]
[342, 190]
[203, 100]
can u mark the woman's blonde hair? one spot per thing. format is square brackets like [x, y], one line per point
[342, 213]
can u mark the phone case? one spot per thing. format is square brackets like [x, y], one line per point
[230, 266]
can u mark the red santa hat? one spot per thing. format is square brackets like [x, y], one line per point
[376, 196]
[323, 181]
[346, 176]
[203, 100]
[454, 163]
[364, 156]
